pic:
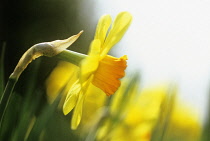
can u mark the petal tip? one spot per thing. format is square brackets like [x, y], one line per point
[65, 111]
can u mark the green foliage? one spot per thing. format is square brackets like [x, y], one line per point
[206, 130]
[2, 69]
[30, 118]
[160, 130]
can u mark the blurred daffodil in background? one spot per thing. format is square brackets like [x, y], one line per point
[184, 124]
[62, 76]
[139, 113]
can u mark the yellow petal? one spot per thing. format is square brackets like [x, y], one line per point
[109, 71]
[91, 106]
[77, 115]
[90, 63]
[117, 31]
[102, 28]
[71, 98]
[95, 48]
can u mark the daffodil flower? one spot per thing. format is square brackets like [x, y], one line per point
[98, 68]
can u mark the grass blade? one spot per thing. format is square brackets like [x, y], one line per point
[43, 120]
[2, 69]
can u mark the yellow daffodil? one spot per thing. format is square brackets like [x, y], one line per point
[98, 68]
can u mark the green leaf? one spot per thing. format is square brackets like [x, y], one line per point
[206, 129]
[25, 116]
[30, 103]
[2, 69]
[10, 119]
[42, 120]
[161, 129]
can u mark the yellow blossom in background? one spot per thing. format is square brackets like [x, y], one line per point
[63, 75]
[118, 109]
[184, 125]
[147, 106]
[98, 68]
[123, 98]
[138, 119]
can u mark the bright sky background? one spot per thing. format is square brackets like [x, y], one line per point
[167, 41]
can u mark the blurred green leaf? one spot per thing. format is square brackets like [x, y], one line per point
[131, 86]
[206, 129]
[2, 69]
[160, 130]
[27, 107]
[26, 115]
[58, 129]
[42, 120]
[11, 117]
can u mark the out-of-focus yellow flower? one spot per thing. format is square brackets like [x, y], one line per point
[64, 74]
[98, 68]
[117, 110]
[184, 124]
[147, 106]
[142, 114]
[125, 94]
[137, 120]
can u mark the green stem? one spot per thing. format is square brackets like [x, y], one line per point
[71, 56]
[6, 98]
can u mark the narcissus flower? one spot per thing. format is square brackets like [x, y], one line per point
[98, 68]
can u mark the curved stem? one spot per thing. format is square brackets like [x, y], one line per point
[71, 56]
